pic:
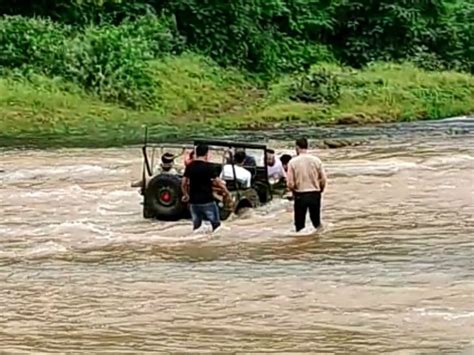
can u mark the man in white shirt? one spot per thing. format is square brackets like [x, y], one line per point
[243, 175]
[274, 166]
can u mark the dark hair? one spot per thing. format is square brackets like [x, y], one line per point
[302, 143]
[285, 159]
[270, 151]
[167, 158]
[239, 157]
[202, 150]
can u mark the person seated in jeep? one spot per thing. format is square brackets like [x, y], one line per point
[243, 176]
[166, 167]
[167, 164]
[249, 161]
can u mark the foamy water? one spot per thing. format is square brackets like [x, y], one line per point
[391, 272]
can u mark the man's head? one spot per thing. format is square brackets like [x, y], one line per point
[239, 149]
[167, 161]
[239, 157]
[301, 145]
[202, 151]
[270, 157]
[285, 159]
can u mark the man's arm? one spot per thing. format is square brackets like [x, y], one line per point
[283, 172]
[217, 182]
[185, 184]
[322, 178]
[185, 187]
[290, 177]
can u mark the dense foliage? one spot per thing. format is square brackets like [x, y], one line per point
[272, 35]
[112, 61]
[111, 47]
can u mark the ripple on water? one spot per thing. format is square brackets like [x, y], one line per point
[392, 272]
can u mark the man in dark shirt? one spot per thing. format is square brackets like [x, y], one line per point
[249, 161]
[285, 159]
[198, 180]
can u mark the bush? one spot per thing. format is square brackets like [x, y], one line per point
[159, 32]
[319, 86]
[298, 55]
[112, 64]
[455, 37]
[31, 44]
[268, 37]
[110, 61]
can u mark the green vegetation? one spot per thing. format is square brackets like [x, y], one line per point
[94, 72]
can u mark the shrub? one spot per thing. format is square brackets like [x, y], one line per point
[298, 55]
[112, 64]
[110, 61]
[319, 84]
[455, 37]
[317, 87]
[31, 44]
[274, 36]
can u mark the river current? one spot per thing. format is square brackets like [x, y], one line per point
[393, 271]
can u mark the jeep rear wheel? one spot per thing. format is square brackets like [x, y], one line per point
[248, 199]
[163, 198]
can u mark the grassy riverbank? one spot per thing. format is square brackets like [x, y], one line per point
[196, 97]
[92, 73]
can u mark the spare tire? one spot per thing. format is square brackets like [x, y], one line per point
[163, 198]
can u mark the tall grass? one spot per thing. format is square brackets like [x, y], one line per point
[195, 96]
[94, 72]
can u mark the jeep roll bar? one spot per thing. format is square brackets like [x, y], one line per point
[145, 157]
[214, 143]
[228, 144]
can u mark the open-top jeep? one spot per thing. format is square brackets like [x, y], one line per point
[162, 194]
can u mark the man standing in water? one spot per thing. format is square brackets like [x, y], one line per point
[306, 178]
[198, 180]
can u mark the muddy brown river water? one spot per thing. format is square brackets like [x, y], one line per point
[393, 272]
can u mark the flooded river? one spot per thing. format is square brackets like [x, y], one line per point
[393, 271]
